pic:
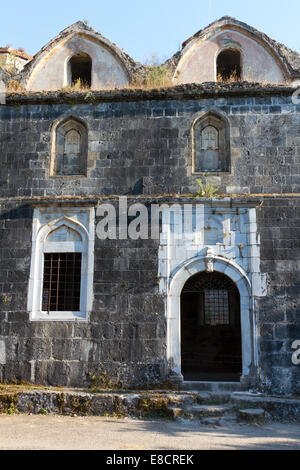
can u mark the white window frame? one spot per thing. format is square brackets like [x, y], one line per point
[45, 221]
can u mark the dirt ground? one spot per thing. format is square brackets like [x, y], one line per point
[37, 432]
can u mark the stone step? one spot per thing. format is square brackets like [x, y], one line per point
[205, 411]
[228, 420]
[211, 421]
[213, 398]
[198, 404]
[212, 386]
[180, 400]
[252, 415]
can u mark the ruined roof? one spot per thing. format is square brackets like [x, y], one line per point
[289, 58]
[16, 52]
[82, 28]
[191, 91]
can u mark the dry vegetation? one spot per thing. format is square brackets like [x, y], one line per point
[155, 77]
[14, 86]
[234, 77]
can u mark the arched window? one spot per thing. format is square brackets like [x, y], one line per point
[229, 65]
[210, 144]
[62, 264]
[69, 154]
[80, 70]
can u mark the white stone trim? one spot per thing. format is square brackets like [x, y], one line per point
[45, 220]
[238, 256]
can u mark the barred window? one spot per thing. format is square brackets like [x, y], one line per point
[213, 298]
[61, 282]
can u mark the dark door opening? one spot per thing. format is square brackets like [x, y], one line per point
[211, 329]
[81, 70]
[229, 65]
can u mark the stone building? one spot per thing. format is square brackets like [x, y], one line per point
[217, 301]
[13, 59]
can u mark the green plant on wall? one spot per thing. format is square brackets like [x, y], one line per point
[205, 189]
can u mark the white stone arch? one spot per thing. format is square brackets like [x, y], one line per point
[54, 225]
[177, 281]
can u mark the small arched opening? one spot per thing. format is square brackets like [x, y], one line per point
[229, 65]
[80, 70]
[211, 338]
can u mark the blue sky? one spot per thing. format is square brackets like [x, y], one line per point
[143, 28]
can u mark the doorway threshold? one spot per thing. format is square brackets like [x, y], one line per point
[212, 386]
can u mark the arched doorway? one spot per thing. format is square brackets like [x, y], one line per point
[211, 343]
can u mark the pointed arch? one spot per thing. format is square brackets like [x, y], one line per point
[48, 69]
[263, 59]
[73, 224]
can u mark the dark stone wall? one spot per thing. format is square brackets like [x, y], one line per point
[129, 141]
[279, 312]
[126, 334]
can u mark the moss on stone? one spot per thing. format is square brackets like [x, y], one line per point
[154, 406]
[8, 403]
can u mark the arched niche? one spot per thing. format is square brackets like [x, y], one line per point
[69, 148]
[211, 143]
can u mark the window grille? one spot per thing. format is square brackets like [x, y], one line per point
[216, 299]
[61, 282]
[216, 307]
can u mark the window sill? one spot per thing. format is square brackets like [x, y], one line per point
[59, 316]
[68, 176]
[213, 173]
